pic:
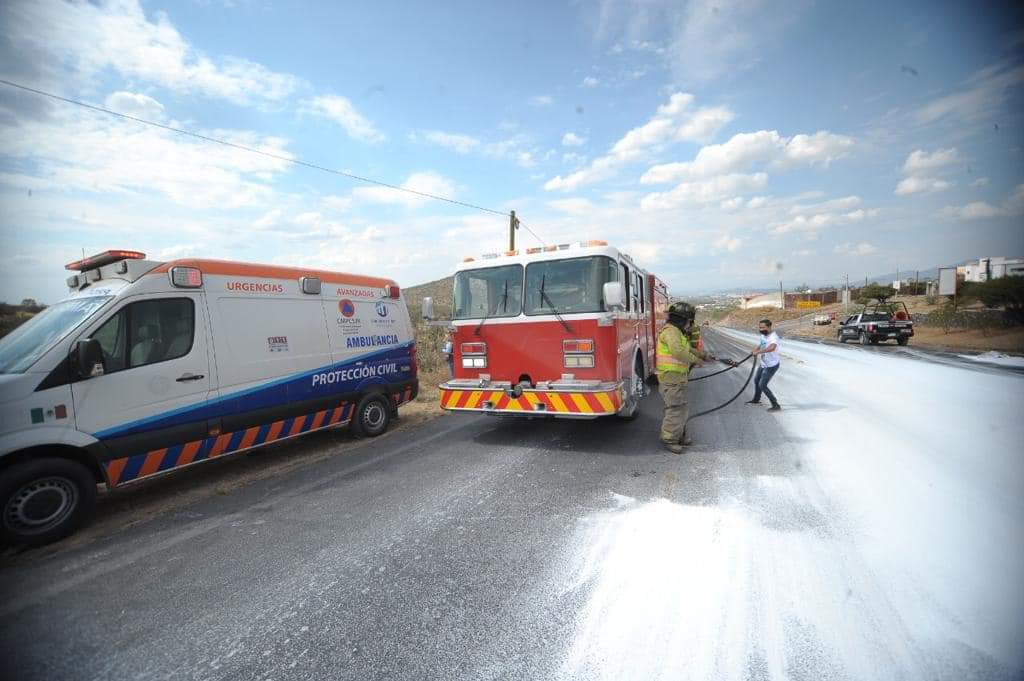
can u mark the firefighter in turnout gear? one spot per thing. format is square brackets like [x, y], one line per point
[673, 360]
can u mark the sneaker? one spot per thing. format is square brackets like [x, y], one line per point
[753, 402]
[673, 447]
[775, 407]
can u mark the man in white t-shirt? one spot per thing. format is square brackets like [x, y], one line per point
[767, 354]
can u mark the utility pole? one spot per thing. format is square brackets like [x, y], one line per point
[513, 225]
[782, 295]
[846, 297]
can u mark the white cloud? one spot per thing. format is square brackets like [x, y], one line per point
[810, 219]
[135, 104]
[79, 150]
[728, 243]
[457, 142]
[574, 206]
[757, 202]
[981, 96]
[920, 161]
[571, 139]
[590, 81]
[972, 211]
[743, 150]
[674, 121]
[427, 182]
[918, 185]
[919, 168]
[116, 34]
[703, 191]
[340, 110]
[863, 248]
[980, 182]
[542, 100]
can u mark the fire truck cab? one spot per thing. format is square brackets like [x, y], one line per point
[560, 331]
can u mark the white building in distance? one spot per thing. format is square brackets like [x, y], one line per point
[992, 268]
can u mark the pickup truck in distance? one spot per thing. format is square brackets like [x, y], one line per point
[877, 322]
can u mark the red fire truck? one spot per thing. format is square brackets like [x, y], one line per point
[562, 331]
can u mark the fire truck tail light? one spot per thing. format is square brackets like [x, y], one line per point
[186, 277]
[474, 348]
[578, 346]
[474, 362]
[579, 361]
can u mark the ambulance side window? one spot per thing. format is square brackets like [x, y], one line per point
[147, 332]
[112, 339]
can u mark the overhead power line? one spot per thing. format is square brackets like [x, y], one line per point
[253, 150]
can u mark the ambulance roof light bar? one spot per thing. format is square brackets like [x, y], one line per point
[104, 258]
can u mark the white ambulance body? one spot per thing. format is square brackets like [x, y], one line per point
[147, 367]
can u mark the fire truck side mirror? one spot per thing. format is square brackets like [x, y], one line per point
[614, 296]
[428, 308]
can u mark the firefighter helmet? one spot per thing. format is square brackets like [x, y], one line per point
[682, 310]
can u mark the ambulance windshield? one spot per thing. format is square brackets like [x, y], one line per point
[22, 347]
[490, 292]
[569, 286]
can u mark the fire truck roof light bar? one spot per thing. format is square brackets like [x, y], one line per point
[541, 249]
[104, 258]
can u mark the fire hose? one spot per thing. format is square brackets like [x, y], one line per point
[733, 365]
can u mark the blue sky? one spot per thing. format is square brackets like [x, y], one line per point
[718, 142]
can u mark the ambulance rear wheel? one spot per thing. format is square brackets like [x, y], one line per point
[373, 415]
[44, 500]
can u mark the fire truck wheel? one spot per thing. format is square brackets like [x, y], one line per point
[44, 500]
[372, 416]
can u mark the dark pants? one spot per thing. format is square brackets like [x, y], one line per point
[761, 378]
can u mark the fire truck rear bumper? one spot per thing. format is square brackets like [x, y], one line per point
[578, 402]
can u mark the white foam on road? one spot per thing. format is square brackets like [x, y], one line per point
[996, 358]
[895, 553]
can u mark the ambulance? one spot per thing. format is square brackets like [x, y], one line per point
[148, 367]
[564, 331]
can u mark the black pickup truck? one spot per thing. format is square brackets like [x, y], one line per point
[877, 322]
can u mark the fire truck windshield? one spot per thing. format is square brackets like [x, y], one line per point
[490, 292]
[569, 286]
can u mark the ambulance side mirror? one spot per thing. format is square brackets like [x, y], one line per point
[428, 308]
[614, 296]
[88, 356]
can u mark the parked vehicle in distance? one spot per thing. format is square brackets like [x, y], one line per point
[564, 331]
[148, 367]
[878, 322]
[822, 319]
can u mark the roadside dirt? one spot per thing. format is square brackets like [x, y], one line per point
[174, 492]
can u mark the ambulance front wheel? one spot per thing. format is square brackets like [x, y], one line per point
[373, 415]
[44, 500]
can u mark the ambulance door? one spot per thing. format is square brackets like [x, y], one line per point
[156, 379]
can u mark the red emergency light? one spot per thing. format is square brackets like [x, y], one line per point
[101, 259]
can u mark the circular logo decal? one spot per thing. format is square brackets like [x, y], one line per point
[346, 307]
[382, 310]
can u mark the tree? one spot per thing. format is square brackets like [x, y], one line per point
[1004, 292]
[875, 291]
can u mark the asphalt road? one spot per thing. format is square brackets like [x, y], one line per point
[484, 548]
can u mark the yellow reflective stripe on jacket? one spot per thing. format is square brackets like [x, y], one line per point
[669, 358]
